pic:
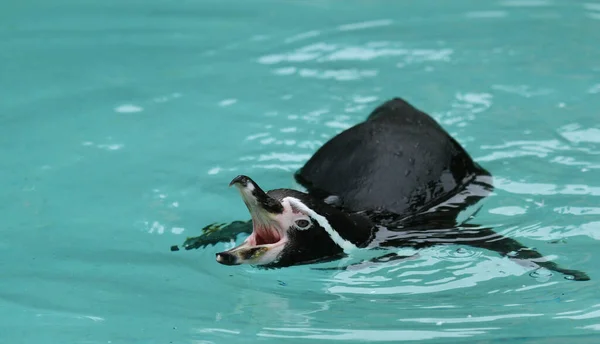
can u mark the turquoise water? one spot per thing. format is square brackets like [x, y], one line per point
[121, 124]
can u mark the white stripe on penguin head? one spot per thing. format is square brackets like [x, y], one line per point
[346, 245]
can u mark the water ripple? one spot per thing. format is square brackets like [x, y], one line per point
[593, 15]
[525, 3]
[335, 53]
[470, 319]
[590, 315]
[365, 25]
[486, 14]
[523, 90]
[465, 108]
[339, 75]
[128, 108]
[522, 188]
[302, 36]
[575, 134]
[461, 254]
[571, 210]
[479, 268]
[592, 6]
[370, 335]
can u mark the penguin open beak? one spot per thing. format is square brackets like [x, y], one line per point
[268, 237]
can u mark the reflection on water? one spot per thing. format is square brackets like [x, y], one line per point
[430, 273]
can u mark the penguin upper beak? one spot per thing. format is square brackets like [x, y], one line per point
[240, 180]
[254, 197]
[267, 239]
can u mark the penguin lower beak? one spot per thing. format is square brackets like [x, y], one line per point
[241, 255]
[267, 239]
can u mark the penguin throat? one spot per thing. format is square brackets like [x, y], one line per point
[264, 231]
[264, 235]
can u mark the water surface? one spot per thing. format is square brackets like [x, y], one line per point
[121, 124]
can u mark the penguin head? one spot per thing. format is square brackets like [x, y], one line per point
[292, 228]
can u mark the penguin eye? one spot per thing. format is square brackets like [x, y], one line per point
[302, 223]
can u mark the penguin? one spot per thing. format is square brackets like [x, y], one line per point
[395, 180]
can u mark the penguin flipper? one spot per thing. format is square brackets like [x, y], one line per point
[216, 233]
[480, 237]
[511, 248]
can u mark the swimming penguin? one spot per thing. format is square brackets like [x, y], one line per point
[397, 179]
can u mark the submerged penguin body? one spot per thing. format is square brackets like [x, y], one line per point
[397, 179]
[399, 160]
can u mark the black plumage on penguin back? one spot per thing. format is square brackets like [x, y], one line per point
[399, 160]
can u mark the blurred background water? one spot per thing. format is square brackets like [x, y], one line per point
[121, 123]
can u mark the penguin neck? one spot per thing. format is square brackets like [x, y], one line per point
[353, 229]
